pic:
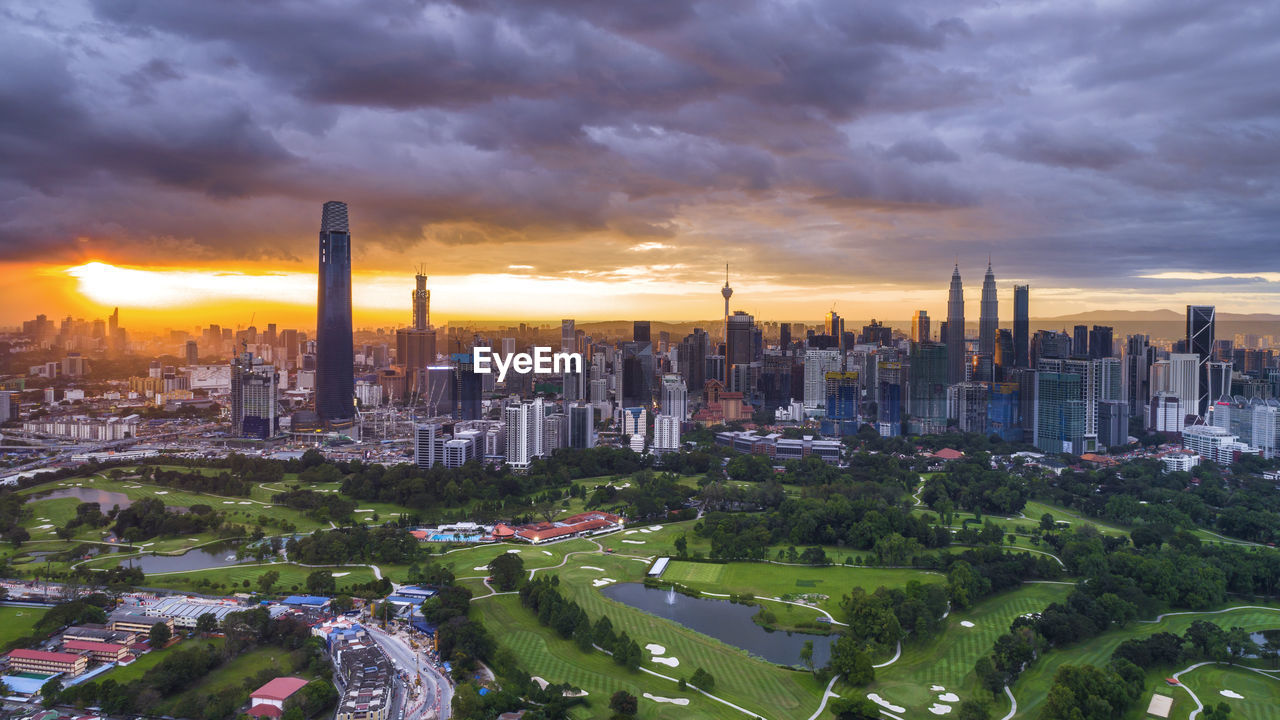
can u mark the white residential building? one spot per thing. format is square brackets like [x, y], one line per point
[817, 363]
[1214, 444]
[666, 433]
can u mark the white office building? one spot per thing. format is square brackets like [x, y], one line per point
[675, 397]
[1214, 444]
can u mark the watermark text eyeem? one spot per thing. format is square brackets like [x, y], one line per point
[541, 361]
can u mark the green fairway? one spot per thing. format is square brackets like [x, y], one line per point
[948, 660]
[232, 675]
[826, 584]
[17, 622]
[1032, 687]
[689, 573]
[1261, 693]
[754, 684]
[464, 562]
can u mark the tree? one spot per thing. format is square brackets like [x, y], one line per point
[321, 582]
[1046, 522]
[849, 660]
[50, 691]
[160, 634]
[702, 680]
[267, 580]
[507, 570]
[682, 546]
[207, 622]
[973, 710]
[624, 703]
[806, 654]
[855, 708]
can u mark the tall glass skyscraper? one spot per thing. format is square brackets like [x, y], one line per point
[955, 330]
[1200, 330]
[988, 314]
[335, 378]
[1021, 326]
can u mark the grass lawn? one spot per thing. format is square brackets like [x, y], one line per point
[1032, 687]
[1261, 693]
[740, 678]
[293, 578]
[948, 660]
[463, 563]
[769, 580]
[17, 622]
[234, 673]
[139, 667]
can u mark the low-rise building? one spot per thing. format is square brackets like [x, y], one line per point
[40, 661]
[268, 701]
[580, 525]
[98, 651]
[132, 622]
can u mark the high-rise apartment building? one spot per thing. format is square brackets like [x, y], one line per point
[817, 363]
[1100, 342]
[1060, 418]
[335, 376]
[956, 359]
[920, 327]
[666, 433]
[1137, 358]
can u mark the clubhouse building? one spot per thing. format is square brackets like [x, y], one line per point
[574, 526]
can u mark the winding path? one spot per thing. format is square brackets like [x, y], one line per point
[1013, 703]
[1211, 612]
[893, 659]
[691, 686]
[826, 694]
[1177, 676]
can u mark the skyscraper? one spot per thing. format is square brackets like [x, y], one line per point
[1200, 331]
[1080, 341]
[988, 314]
[1021, 326]
[640, 331]
[253, 397]
[1137, 361]
[920, 327]
[416, 346]
[568, 336]
[1100, 342]
[955, 329]
[335, 379]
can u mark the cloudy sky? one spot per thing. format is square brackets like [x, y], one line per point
[606, 159]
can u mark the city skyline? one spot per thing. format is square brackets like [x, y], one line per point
[569, 175]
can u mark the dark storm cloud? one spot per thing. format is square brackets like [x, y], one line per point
[1077, 141]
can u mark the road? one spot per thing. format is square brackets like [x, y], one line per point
[436, 696]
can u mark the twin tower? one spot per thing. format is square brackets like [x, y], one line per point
[988, 324]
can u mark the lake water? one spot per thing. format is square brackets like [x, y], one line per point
[727, 622]
[210, 556]
[105, 498]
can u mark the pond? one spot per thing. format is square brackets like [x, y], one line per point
[727, 622]
[106, 499]
[210, 556]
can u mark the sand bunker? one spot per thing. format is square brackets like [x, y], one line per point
[937, 709]
[630, 532]
[965, 623]
[656, 649]
[589, 567]
[546, 552]
[162, 492]
[541, 683]
[513, 551]
[245, 502]
[654, 527]
[673, 701]
[365, 510]
[601, 582]
[948, 698]
[875, 698]
[43, 527]
[480, 567]
[567, 693]
[936, 688]
[669, 662]
[228, 502]
[1231, 694]
[341, 574]
[634, 542]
